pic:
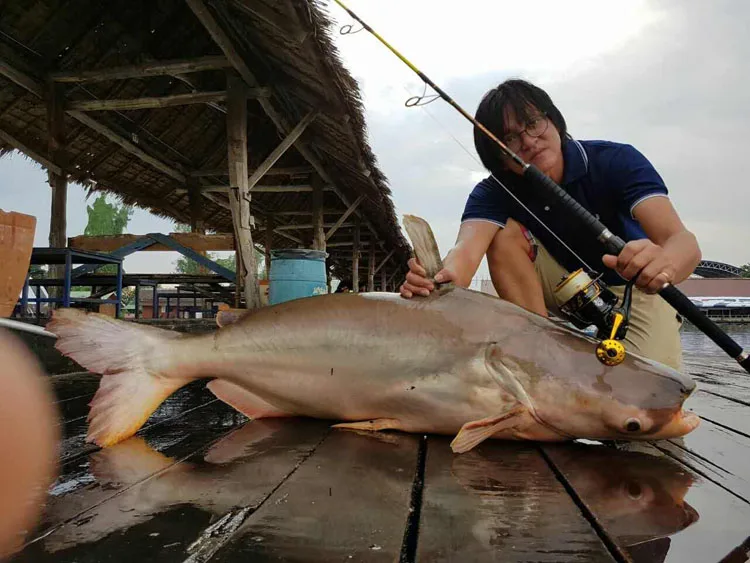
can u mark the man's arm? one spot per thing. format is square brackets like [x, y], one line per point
[670, 254]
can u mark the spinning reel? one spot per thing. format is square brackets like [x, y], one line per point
[589, 302]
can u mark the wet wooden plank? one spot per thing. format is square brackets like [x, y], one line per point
[158, 503]
[721, 410]
[654, 507]
[500, 502]
[721, 376]
[719, 454]
[348, 502]
[184, 400]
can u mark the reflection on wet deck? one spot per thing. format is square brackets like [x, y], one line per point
[200, 482]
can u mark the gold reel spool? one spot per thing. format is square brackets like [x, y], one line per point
[611, 352]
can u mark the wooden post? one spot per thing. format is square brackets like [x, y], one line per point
[197, 224]
[371, 265]
[318, 236]
[239, 199]
[58, 181]
[355, 257]
[270, 223]
[382, 280]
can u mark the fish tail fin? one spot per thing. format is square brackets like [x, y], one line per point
[132, 386]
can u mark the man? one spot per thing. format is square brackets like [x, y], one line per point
[613, 181]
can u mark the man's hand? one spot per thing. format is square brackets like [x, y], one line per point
[651, 260]
[417, 283]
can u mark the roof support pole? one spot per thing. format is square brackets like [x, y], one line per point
[270, 220]
[371, 268]
[318, 236]
[343, 218]
[239, 198]
[58, 181]
[355, 257]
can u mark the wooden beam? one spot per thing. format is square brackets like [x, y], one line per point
[285, 171]
[302, 213]
[343, 218]
[217, 200]
[197, 224]
[58, 181]
[35, 87]
[318, 226]
[224, 42]
[307, 226]
[257, 189]
[240, 201]
[31, 84]
[371, 269]
[127, 145]
[154, 68]
[270, 219]
[355, 257]
[383, 285]
[277, 153]
[147, 103]
[15, 143]
[195, 241]
[384, 260]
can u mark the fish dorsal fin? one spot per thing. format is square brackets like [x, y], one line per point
[425, 246]
[477, 431]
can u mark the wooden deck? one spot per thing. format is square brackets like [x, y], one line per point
[200, 483]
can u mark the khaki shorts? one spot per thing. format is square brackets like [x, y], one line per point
[654, 329]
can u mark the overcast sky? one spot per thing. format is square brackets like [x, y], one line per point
[669, 77]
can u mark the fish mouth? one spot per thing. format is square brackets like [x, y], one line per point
[682, 424]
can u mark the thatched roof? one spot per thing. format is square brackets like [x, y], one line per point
[149, 157]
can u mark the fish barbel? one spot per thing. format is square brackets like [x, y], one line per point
[458, 362]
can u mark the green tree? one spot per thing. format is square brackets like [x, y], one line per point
[745, 270]
[107, 219]
[185, 265]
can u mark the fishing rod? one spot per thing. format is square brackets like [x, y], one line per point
[596, 228]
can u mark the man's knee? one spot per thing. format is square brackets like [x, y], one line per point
[509, 241]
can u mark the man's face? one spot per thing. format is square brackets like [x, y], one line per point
[543, 151]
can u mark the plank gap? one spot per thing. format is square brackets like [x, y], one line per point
[617, 553]
[411, 531]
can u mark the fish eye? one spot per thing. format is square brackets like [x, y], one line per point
[632, 425]
[633, 490]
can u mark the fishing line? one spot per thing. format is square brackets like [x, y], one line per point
[613, 243]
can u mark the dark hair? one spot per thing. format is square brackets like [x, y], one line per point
[516, 95]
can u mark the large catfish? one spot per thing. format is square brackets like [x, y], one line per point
[457, 362]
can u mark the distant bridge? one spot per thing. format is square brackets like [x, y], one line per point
[711, 269]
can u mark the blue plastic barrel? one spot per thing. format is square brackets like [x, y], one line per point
[296, 273]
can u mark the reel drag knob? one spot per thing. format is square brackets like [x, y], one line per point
[610, 352]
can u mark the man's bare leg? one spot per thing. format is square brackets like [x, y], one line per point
[512, 271]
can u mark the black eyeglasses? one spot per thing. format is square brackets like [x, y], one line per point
[535, 127]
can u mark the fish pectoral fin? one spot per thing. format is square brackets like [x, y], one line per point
[373, 425]
[477, 431]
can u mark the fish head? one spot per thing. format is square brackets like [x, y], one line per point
[568, 390]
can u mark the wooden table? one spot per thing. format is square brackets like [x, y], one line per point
[199, 482]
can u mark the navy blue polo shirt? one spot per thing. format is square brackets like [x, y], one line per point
[608, 179]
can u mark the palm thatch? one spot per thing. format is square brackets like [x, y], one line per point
[159, 158]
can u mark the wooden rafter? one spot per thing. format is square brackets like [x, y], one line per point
[224, 42]
[155, 68]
